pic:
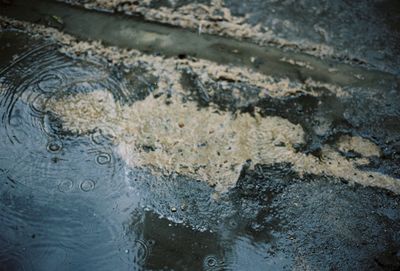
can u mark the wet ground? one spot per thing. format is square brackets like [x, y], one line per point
[72, 200]
[364, 32]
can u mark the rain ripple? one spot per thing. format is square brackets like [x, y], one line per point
[63, 198]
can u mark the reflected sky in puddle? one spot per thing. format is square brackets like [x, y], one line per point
[69, 203]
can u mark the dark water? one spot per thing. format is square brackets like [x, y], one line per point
[69, 203]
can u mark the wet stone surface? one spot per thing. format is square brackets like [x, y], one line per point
[69, 201]
[367, 30]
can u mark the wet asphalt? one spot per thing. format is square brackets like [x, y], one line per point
[69, 202]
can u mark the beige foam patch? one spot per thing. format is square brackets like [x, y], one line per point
[204, 144]
[358, 144]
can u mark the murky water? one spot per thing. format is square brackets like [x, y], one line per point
[70, 202]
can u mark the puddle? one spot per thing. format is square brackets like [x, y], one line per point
[71, 200]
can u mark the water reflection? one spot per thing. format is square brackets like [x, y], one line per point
[63, 199]
[178, 247]
[68, 202]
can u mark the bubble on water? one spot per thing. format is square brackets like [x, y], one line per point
[54, 146]
[151, 242]
[211, 262]
[135, 252]
[103, 158]
[103, 137]
[88, 185]
[50, 83]
[36, 102]
[142, 251]
[65, 185]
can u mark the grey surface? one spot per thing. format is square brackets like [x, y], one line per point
[368, 30]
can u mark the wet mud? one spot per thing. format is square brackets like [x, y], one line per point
[86, 182]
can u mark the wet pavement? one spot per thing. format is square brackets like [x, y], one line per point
[70, 201]
[364, 32]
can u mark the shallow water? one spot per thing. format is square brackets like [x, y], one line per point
[69, 201]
